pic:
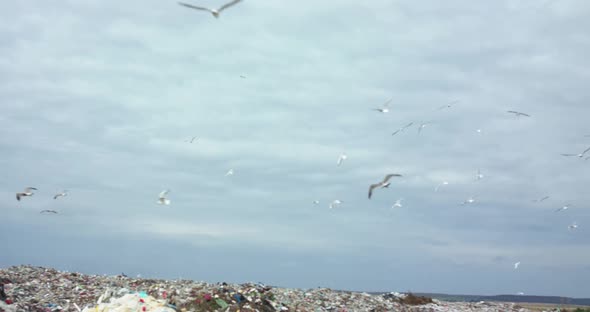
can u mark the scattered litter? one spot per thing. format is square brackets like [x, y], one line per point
[27, 288]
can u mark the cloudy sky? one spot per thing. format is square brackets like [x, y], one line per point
[99, 98]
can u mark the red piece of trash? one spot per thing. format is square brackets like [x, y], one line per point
[164, 294]
[143, 309]
[8, 301]
[207, 297]
[141, 300]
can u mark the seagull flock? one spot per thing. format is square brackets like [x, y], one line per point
[384, 183]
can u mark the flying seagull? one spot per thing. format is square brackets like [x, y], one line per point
[230, 172]
[572, 226]
[48, 211]
[516, 265]
[385, 108]
[520, 293]
[28, 192]
[62, 194]
[383, 183]
[192, 139]
[578, 155]
[242, 76]
[215, 12]
[541, 199]
[422, 126]
[316, 202]
[335, 204]
[518, 114]
[341, 158]
[438, 186]
[402, 128]
[162, 200]
[563, 208]
[398, 203]
[469, 200]
[479, 175]
[449, 105]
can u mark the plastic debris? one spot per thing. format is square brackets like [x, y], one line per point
[40, 289]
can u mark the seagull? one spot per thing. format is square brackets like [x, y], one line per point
[28, 192]
[398, 203]
[578, 155]
[520, 293]
[48, 211]
[385, 108]
[470, 200]
[229, 172]
[478, 130]
[518, 114]
[193, 139]
[572, 226]
[479, 175]
[315, 202]
[438, 186]
[162, 200]
[402, 128]
[215, 12]
[422, 126]
[383, 183]
[62, 194]
[516, 265]
[341, 158]
[335, 203]
[562, 208]
[448, 105]
[242, 76]
[540, 200]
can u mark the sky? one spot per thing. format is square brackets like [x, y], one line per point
[100, 97]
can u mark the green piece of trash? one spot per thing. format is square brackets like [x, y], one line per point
[221, 303]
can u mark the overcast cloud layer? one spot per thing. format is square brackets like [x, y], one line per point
[99, 97]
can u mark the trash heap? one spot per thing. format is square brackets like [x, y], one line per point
[27, 288]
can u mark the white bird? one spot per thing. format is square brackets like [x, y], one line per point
[192, 139]
[402, 128]
[518, 114]
[341, 158]
[398, 203]
[516, 265]
[162, 200]
[578, 155]
[385, 108]
[520, 293]
[469, 200]
[541, 199]
[48, 211]
[478, 130]
[422, 126]
[316, 202]
[335, 204]
[215, 12]
[28, 192]
[62, 194]
[572, 226]
[438, 186]
[479, 175]
[230, 172]
[383, 183]
[563, 208]
[449, 105]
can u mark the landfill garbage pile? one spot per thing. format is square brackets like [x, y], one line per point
[26, 288]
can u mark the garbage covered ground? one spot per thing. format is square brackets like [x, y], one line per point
[27, 288]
